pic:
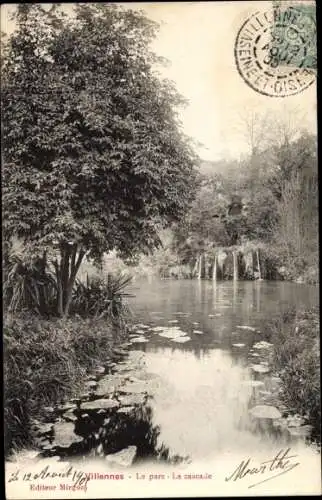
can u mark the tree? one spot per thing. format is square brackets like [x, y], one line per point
[94, 157]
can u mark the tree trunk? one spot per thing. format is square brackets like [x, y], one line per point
[71, 280]
[66, 272]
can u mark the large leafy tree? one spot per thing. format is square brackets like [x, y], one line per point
[94, 158]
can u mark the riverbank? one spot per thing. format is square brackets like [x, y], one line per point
[296, 339]
[48, 362]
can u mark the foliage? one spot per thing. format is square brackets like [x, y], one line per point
[93, 155]
[28, 285]
[296, 356]
[276, 190]
[102, 297]
[45, 362]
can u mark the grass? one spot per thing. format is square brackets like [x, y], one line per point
[296, 339]
[45, 362]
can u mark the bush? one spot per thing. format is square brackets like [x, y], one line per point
[28, 285]
[44, 363]
[296, 357]
[102, 297]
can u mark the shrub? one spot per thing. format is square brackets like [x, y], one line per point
[44, 363]
[102, 297]
[28, 285]
[296, 357]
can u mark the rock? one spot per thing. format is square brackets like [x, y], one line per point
[211, 315]
[100, 403]
[134, 388]
[45, 429]
[99, 449]
[91, 384]
[65, 435]
[260, 368]
[66, 407]
[302, 431]
[126, 410]
[109, 384]
[245, 327]
[141, 325]
[139, 340]
[173, 321]
[70, 416]
[49, 409]
[120, 352]
[295, 421]
[195, 323]
[123, 458]
[100, 370]
[158, 328]
[265, 411]
[132, 399]
[198, 332]
[238, 345]
[181, 340]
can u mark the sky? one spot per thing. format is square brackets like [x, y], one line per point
[198, 39]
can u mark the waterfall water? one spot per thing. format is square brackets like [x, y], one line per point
[214, 270]
[258, 265]
[199, 267]
[235, 261]
[195, 267]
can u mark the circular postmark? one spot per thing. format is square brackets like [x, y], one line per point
[275, 51]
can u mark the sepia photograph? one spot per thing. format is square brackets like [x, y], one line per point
[160, 239]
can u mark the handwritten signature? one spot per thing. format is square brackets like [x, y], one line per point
[280, 464]
[78, 478]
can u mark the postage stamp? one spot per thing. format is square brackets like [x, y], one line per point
[275, 51]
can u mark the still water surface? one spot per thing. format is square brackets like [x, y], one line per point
[202, 405]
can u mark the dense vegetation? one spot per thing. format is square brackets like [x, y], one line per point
[93, 155]
[94, 159]
[296, 338]
[268, 201]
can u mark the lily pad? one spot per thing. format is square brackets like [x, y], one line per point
[181, 340]
[123, 458]
[100, 403]
[245, 327]
[265, 411]
[171, 333]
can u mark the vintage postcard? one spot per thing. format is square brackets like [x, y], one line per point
[161, 252]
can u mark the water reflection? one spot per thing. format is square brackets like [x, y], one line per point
[202, 407]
